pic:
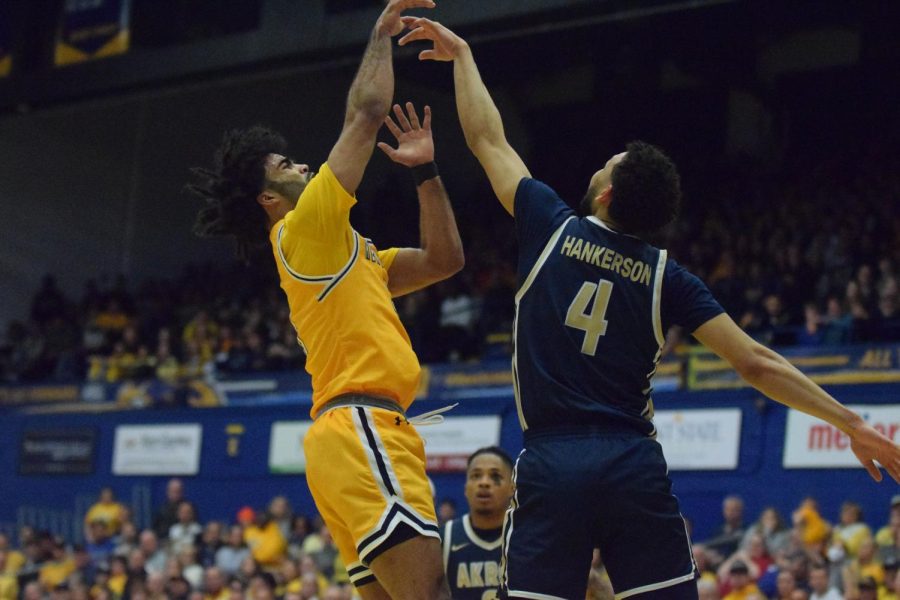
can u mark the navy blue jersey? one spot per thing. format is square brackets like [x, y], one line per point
[471, 561]
[591, 313]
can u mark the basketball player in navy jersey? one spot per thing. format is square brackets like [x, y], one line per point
[471, 543]
[593, 305]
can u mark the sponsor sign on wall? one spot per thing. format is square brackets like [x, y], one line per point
[701, 439]
[67, 451]
[449, 444]
[286, 447]
[812, 443]
[157, 449]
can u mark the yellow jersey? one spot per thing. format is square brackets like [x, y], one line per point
[336, 283]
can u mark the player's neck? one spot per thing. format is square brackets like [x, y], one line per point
[486, 521]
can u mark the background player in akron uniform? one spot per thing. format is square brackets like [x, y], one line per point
[365, 461]
[592, 308]
[471, 543]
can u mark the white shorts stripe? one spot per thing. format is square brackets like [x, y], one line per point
[370, 453]
[384, 455]
[655, 586]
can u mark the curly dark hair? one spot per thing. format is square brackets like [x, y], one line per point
[231, 187]
[646, 190]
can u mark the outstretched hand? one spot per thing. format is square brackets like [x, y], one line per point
[869, 445]
[447, 44]
[415, 145]
[390, 22]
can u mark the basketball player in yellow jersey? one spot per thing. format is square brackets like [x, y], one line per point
[365, 461]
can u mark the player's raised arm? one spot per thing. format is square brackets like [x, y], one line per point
[370, 97]
[774, 376]
[480, 119]
[440, 254]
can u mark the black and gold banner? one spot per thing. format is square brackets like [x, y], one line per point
[5, 40]
[91, 29]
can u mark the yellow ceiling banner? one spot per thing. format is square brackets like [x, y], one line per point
[92, 29]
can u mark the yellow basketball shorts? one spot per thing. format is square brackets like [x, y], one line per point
[365, 468]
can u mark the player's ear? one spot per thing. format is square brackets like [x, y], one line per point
[266, 199]
[605, 197]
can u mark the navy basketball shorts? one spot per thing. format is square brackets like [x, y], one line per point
[575, 492]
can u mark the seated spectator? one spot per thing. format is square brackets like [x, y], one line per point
[107, 511]
[209, 543]
[167, 514]
[851, 532]
[812, 332]
[262, 586]
[118, 576]
[230, 556]
[728, 535]
[267, 545]
[785, 586]
[741, 583]
[282, 513]
[214, 587]
[772, 528]
[100, 545]
[820, 588]
[14, 559]
[190, 568]
[155, 557]
[888, 536]
[58, 568]
[184, 533]
[127, 540]
[809, 524]
[9, 584]
[707, 590]
[867, 589]
[890, 589]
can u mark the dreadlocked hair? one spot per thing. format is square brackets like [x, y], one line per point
[230, 189]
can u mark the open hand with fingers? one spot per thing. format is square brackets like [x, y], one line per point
[868, 444]
[415, 145]
[447, 45]
[390, 22]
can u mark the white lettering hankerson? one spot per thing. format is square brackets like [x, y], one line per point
[593, 254]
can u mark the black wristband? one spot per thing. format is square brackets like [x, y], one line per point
[424, 172]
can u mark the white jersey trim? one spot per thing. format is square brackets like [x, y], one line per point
[545, 254]
[475, 539]
[657, 297]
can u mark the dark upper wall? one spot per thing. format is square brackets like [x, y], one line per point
[95, 186]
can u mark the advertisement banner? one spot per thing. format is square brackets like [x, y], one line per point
[5, 39]
[449, 444]
[810, 443]
[701, 439]
[157, 449]
[286, 447]
[91, 29]
[67, 451]
[826, 365]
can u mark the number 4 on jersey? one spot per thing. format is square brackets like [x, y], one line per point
[592, 323]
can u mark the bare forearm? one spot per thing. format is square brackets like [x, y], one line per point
[784, 383]
[439, 236]
[373, 87]
[478, 115]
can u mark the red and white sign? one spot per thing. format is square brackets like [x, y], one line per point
[699, 439]
[811, 443]
[449, 444]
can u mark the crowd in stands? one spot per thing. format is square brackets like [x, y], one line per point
[273, 553]
[810, 259]
[802, 558]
